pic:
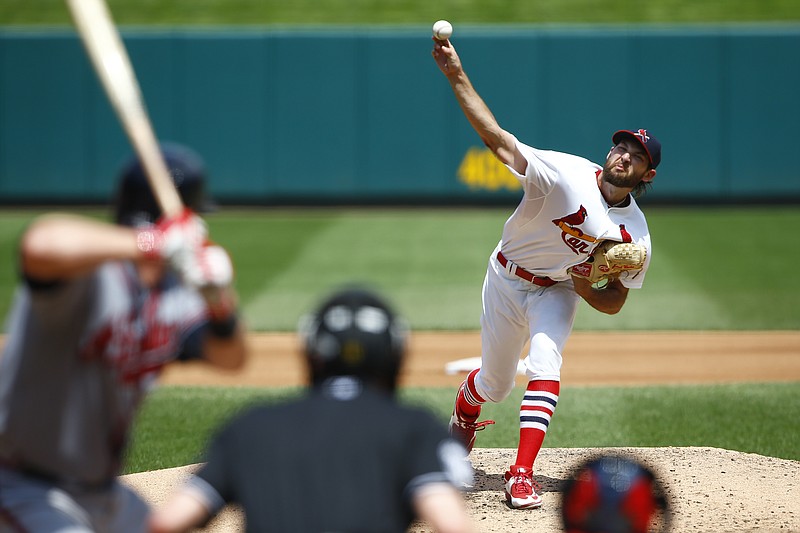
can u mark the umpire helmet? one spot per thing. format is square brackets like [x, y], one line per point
[135, 203]
[354, 332]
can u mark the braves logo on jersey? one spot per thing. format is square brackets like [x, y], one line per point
[132, 353]
[134, 348]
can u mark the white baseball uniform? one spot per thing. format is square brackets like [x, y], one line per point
[561, 218]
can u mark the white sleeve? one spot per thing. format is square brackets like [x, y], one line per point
[205, 493]
[540, 174]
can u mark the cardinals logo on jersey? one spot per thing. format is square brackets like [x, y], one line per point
[574, 237]
[626, 237]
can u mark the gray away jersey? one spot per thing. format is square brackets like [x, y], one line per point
[78, 359]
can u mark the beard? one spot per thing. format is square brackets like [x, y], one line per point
[623, 179]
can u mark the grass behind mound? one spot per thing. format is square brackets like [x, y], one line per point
[304, 12]
[175, 423]
[712, 268]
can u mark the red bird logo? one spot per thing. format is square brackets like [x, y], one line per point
[574, 219]
[626, 237]
[573, 237]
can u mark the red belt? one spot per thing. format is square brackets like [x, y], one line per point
[524, 274]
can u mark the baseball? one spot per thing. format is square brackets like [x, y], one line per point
[442, 30]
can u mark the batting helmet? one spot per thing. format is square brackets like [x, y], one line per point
[135, 203]
[613, 494]
[354, 332]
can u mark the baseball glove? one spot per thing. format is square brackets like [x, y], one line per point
[609, 259]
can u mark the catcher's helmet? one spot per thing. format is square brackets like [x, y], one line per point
[354, 333]
[613, 494]
[135, 203]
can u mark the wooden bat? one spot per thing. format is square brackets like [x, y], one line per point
[113, 66]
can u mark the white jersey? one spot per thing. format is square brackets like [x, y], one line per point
[562, 189]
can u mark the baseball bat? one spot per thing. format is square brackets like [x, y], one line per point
[113, 66]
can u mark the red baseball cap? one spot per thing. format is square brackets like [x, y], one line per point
[650, 144]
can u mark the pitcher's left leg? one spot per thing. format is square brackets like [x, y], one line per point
[552, 313]
[537, 407]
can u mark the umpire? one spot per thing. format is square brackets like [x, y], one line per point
[343, 457]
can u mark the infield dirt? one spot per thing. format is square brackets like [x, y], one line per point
[710, 489]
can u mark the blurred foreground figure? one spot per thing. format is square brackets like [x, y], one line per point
[613, 494]
[345, 456]
[100, 309]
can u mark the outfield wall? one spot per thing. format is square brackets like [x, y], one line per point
[320, 115]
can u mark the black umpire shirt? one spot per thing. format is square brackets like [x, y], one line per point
[344, 457]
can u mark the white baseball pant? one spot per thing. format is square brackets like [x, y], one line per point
[515, 311]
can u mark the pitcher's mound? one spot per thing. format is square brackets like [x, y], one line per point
[709, 489]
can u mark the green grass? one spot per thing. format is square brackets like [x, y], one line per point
[720, 268]
[755, 418]
[712, 269]
[429, 262]
[175, 423]
[273, 12]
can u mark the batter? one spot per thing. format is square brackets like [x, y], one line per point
[101, 308]
[530, 293]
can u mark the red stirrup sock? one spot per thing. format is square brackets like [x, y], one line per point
[468, 402]
[537, 407]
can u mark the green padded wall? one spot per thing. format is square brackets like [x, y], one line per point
[351, 115]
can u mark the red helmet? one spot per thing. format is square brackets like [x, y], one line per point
[613, 494]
